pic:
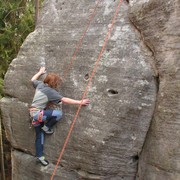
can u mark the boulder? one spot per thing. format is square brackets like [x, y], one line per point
[159, 24]
[109, 134]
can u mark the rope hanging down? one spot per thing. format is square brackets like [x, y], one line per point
[87, 88]
[80, 41]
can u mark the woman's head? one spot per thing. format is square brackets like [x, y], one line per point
[53, 80]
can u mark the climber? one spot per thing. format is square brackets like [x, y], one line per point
[43, 119]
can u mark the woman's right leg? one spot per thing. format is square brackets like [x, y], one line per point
[52, 117]
[55, 116]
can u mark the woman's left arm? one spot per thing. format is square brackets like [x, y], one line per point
[41, 71]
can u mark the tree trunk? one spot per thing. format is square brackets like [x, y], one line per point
[36, 12]
[1, 154]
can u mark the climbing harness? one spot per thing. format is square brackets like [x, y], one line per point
[73, 57]
[87, 88]
[40, 115]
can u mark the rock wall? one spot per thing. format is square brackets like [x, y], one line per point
[110, 133]
[159, 24]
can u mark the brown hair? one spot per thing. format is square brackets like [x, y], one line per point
[53, 80]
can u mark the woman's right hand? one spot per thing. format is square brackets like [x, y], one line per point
[85, 102]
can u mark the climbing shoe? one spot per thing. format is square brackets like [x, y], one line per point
[47, 130]
[43, 161]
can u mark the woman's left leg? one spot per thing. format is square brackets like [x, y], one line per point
[39, 143]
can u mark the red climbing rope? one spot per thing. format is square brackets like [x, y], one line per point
[80, 41]
[79, 44]
[87, 87]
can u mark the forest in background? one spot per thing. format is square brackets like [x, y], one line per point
[17, 20]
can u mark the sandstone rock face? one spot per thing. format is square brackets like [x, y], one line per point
[159, 24]
[110, 133]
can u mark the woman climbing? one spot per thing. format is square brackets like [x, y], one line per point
[43, 118]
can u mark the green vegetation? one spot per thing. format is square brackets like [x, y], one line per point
[16, 22]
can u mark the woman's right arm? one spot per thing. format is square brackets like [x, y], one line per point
[84, 102]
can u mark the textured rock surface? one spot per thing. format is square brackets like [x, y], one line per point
[159, 24]
[109, 134]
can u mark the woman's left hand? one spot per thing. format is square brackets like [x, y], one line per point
[42, 70]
